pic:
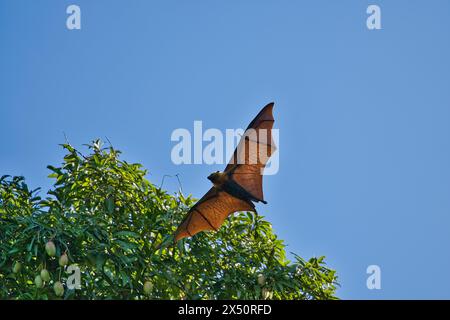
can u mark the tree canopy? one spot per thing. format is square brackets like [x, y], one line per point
[105, 218]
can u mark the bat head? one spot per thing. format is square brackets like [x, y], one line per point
[213, 177]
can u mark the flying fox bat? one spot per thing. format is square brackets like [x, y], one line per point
[239, 185]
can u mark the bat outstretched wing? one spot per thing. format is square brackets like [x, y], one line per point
[247, 164]
[210, 212]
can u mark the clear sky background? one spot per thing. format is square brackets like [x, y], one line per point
[364, 116]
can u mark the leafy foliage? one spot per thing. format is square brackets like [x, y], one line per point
[116, 227]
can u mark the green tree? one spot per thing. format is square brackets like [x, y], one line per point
[109, 220]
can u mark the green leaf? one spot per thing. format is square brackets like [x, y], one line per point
[109, 205]
[126, 233]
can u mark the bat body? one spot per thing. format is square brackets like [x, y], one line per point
[223, 181]
[239, 185]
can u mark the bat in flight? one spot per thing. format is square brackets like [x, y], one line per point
[239, 185]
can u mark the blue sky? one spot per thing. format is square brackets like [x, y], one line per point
[363, 115]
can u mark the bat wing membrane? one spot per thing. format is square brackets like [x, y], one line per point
[253, 152]
[210, 212]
